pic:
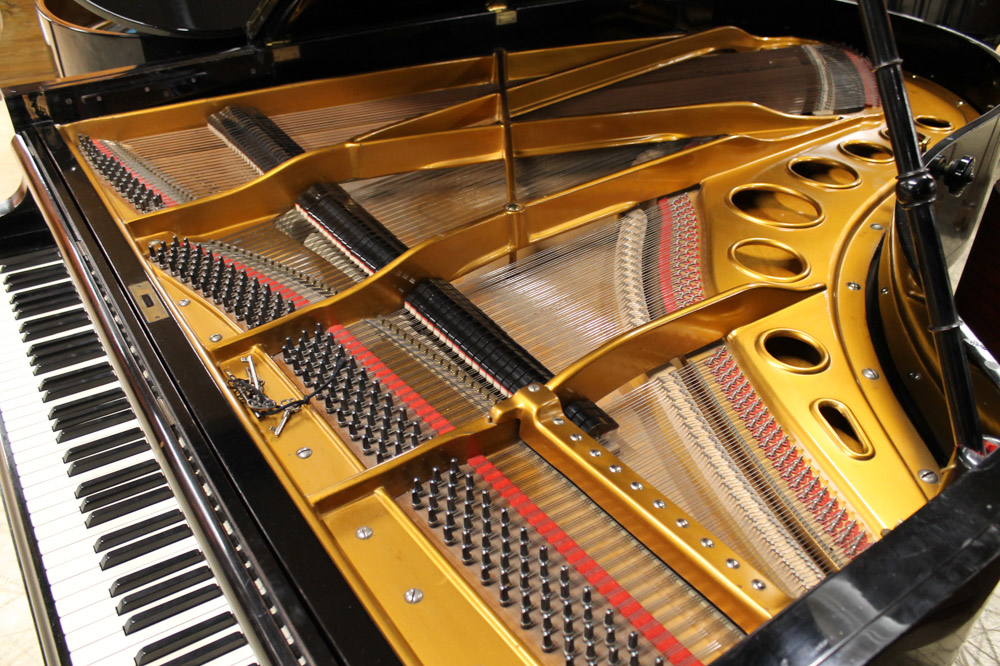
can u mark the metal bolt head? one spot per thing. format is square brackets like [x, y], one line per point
[884, 291]
[304, 452]
[732, 564]
[915, 376]
[869, 373]
[928, 476]
[575, 437]
[682, 522]
[215, 337]
[558, 421]
[513, 208]
[413, 596]
[184, 302]
[595, 453]
[707, 543]
[534, 388]
[877, 227]
[853, 286]
[364, 532]
[615, 469]
[635, 485]
[757, 584]
[659, 504]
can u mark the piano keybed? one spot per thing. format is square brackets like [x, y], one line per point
[584, 384]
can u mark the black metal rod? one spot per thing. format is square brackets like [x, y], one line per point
[915, 192]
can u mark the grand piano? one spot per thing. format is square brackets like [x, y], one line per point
[573, 332]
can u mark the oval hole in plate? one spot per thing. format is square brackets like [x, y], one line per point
[934, 123]
[763, 258]
[922, 139]
[793, 351]
[868, 151]
[776, 206]
[840, 423]
[825, 172]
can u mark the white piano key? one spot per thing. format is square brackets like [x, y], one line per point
[74, 618]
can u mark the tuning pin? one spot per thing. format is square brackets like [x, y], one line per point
[564, 582]
[415, 495]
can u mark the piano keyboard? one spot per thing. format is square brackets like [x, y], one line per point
[129, 581]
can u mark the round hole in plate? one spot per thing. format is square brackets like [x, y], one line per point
[793, 351]
[768, 259]
[825, 172]
[776, 206]
[934, 123]
[868, 151]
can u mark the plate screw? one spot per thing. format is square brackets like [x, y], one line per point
[363, 532]
[635, 485]
[576, 437]
[413, 596]
[869, 373]
[928, 476]
[732, 564]
[513, 208]
[682, 522]
[534, 388]
[595, 453]
[216, 337]
[659, 504]
[558, 420]
[877, 227]
[184, 302]
[915, 376]
[885, 291]
[615, 469]
[757, 584]
[707, 543]
[853, 286]
[304, 452]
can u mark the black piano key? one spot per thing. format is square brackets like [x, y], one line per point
[136, 530]
[34, 277]
[114, 478]
[119, 509]
[101, 459]
[29, 259]
[124, 491]
[41, 307]
[105, 408]
[103, 444]
[41, 294]
[43, 327]
[154, 572]
[95, 425]
[76, 381]
[127, 553]
[64, 343]
[154, 593]
[183, 638]
[55, 303]
[175, 606]
[210, 651]
[84, 405]
[65, 359]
